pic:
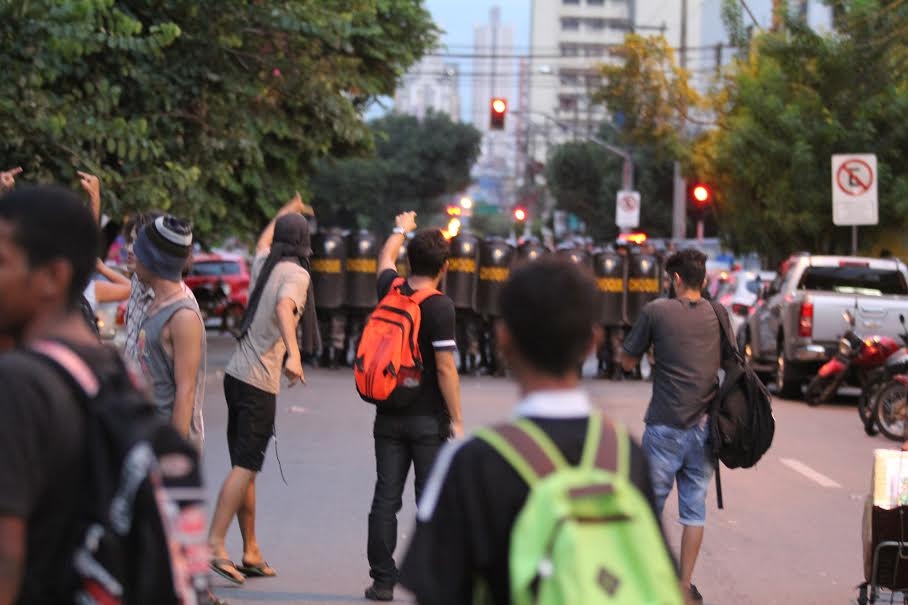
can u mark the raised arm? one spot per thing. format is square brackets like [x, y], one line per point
[92, 186]
[118, 288]
[403, 224]
[8, 178]
[295, 204]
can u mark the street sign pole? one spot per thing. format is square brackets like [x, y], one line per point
[854, 193]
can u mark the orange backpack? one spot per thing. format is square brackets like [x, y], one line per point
[388, 365]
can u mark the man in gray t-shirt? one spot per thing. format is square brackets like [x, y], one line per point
[686, 336]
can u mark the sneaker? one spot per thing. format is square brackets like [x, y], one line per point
[695, 596]
[377, 593]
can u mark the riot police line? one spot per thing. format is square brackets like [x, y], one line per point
[343, 272]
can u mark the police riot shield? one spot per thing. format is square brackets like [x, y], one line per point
[362, 263]
[576, 255]
[644, 283]
[460, 281]
[495, 258]
[609, 270]
[329, 271]
[530, 249]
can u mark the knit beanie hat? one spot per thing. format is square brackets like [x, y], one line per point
[164, 246]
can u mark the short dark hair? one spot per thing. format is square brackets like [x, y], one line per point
[690, 265]
[51, 223]
[427, 252]
[550, 307]
[139, 220]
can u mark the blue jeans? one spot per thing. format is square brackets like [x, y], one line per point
[682, 455]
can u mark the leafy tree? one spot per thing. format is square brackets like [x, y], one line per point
[652, 104]
[415, 163]
[797, 99]
[213, 109]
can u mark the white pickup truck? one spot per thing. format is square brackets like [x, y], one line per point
[798, 320]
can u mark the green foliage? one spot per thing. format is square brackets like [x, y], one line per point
[651, 101]
[798, 99]
[415, 163]
[213, 109]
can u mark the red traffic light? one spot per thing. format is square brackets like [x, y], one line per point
[499, 108]
[452, 210]
[701, 194]
[520, 214]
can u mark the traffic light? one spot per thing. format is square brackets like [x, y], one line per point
[452, 210]
[520, 214]
[701, 195]
[498, 110]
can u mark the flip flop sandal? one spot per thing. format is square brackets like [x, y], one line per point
[259, 570]
[222, 568]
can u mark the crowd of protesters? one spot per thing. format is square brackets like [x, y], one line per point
[469, 496]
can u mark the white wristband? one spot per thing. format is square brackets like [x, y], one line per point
[400, 230]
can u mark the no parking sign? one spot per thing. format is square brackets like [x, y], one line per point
[854, 189]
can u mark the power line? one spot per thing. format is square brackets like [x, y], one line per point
[531, 55]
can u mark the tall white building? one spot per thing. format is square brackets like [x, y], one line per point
[495, 73]
[569, 40]
[430, 84]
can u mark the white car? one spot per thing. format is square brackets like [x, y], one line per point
[741, 293]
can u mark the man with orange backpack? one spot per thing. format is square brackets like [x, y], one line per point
[405, 366]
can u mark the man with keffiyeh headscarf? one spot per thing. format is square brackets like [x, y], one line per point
[267, 346]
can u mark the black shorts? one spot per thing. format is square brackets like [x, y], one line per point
[250, 423]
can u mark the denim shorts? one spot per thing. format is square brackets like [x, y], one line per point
[682, 454]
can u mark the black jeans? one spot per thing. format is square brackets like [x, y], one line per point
[399, 442]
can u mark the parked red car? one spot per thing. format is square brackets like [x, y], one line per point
[220, 283]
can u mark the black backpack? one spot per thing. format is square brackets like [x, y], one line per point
[88, 314]
[140, 536]
[741, 421]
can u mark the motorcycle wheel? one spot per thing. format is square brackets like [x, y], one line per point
[821, 389]
[891, 411]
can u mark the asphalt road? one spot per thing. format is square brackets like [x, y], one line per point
[789, 533]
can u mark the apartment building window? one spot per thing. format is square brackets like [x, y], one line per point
[595, 2]
[570, 24]
[567, 102]
[595, 50]
[570, 50]
[569, 77]
[575, 2]
[596, 24]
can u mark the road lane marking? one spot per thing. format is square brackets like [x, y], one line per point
[799, 467]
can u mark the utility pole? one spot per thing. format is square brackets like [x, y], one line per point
[679, 201]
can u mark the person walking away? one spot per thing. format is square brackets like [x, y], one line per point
[413, 434]
[684, 332]
[171, 343]
[281, 293]
[480, 510]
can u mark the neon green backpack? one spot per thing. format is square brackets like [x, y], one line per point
[586, 535]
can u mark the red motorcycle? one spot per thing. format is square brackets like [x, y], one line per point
[860, 358]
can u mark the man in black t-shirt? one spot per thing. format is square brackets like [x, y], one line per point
[474, 495]
[413, 434]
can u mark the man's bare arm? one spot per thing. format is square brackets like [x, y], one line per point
[186, 337]
[118, 288]
[294, 205]
[449, 383]
[12, 558]
[405, 222]
[286, 321]
[92, 186]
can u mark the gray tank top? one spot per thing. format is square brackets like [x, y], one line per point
[157, 366]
